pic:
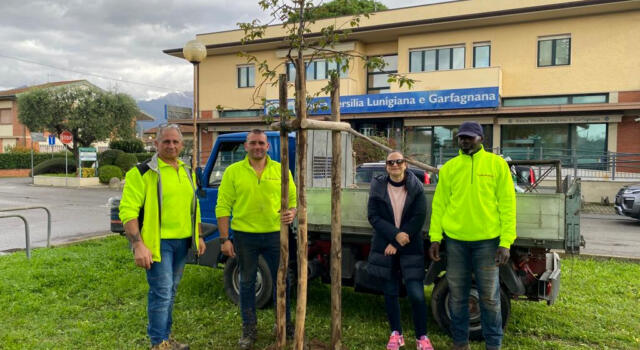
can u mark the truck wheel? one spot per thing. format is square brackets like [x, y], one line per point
[442, 313]
[264, 283]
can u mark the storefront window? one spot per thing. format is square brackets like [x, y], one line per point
[590, 144]
[418, 141]
[538, 141]
[445, 141]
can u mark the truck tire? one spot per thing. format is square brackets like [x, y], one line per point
[441, 313]
[264, 282]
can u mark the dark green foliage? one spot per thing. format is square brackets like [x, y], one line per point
[126, 161]
[144, 156]
[107, 172]
[109, 156]
[54, 166]
[128, 145]
[338, 8]
[366, 152]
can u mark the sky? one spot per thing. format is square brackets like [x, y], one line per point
[115, 44]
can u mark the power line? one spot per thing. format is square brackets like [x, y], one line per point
[85, 73]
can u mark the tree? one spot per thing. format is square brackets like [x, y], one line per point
[338, 8]
[89, 113]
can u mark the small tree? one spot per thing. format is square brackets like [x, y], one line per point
[337, 8]
[89, 113]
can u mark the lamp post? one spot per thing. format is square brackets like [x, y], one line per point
[195, 52]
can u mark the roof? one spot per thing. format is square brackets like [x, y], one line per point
[144, 116]
[14, 92]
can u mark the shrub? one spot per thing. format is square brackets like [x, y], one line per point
[88, 172]
[144, 156]
[126, 161]
[54, 166]
[129, 145]
[109, 156]
[107, 172]
[366, 152]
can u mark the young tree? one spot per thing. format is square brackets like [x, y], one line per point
[337, 8]
[89, 113]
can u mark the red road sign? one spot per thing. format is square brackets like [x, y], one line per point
[66, 137]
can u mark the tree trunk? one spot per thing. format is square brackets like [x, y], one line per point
[281, 341]
[336, 220]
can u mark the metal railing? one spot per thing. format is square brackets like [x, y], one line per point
[27, 238]
[26, 224]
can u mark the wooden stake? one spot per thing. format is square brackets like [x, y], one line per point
[281, 332]
[301, 110]
[336, 220]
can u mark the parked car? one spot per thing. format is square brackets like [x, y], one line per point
[628, 201]
[367, 171]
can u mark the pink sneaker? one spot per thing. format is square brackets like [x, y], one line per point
[423, 343]
[396, 340]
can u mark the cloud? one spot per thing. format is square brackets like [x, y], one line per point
[119, 39]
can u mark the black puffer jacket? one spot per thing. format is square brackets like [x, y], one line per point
[409, 258]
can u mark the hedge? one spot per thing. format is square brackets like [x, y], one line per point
[126, 161]
[55, 166]
[129, 146]
[144, 156]
[107, 172]
[109, 156]
[23, 160]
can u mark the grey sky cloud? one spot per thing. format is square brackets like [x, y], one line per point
[119, 39]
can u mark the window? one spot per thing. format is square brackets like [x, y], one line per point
[5, 116]
[246, 76]
[241, 113]
[228, 153]
[316, 70]
[445, 58]
[481, 55]
[554, 100]
[554, 51]
[377, 79]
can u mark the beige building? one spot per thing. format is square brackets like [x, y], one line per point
[545, 78]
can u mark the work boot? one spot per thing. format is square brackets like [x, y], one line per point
[162, 346]
[249, 336]
[460, 347]
[175, 345]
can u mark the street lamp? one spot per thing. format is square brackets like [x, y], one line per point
[195, 52]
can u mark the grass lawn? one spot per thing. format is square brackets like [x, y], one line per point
[91, 296]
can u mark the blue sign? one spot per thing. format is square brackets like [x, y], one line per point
[486, 97]
[52, 140]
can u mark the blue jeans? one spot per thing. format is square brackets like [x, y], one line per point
[248, 247]
[415, 292]
[163, 278]
[463, 259]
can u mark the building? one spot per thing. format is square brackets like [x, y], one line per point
[13, 133]
[545, 78]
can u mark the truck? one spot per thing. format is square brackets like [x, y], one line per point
[548, 223]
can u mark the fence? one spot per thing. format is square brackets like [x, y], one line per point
[577, 163]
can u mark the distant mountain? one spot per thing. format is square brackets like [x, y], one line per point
[155, 107]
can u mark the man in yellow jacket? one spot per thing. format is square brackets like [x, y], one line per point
[250, 191]
[161, 217]
[474, 211]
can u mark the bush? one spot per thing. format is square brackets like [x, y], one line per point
[109, 156]
[107, 172]
[366, 152]
[126, 161]
[88, 172]
[129, 145]
[144, 156]
[54, 166]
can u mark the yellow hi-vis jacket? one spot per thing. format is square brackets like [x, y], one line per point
[253, 201]
[475, 200]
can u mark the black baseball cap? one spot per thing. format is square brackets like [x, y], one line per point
[472, 129]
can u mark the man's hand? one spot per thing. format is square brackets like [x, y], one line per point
[434, 251]
[227, 249]
[288, 216]
[502, 256]
[402, 238]
[202, 246]
[390, 250]
[142, 255]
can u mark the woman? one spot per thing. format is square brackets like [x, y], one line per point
[397, 211]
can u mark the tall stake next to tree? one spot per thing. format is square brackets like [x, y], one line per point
[301, 113]
[336, 219]
[281, 341]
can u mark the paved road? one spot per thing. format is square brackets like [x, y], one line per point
[74, 212]
[83, 212]
[610, 235]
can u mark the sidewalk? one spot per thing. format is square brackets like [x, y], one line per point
[595, 208]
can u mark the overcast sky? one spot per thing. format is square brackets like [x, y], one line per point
[115, 44]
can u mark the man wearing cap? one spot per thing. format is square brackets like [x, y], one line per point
[474, 212]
